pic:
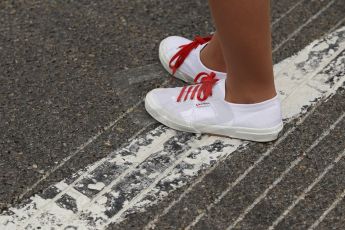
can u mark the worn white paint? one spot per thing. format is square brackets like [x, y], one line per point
[314, 69]
[312, 18]
[297, 4]
[237, 181]
[328, 210]
[293, 164]
[152, 166]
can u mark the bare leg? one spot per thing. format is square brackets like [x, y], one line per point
[243, 27]
[212, 55]
[244, 39]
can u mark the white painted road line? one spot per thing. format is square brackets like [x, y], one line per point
[156, 144]
[79, 149]
[315, 16]
[293, 164]
[245, 173]
[307, 190]
[110, 125]
[144, 172]
[84, 145]
[328, 210]
[335, 27]
[142, 194]
[177, 162]
[287, 12]
[152, 223]
[295, 91]
[279, 72]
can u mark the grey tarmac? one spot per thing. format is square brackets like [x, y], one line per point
[73, 75]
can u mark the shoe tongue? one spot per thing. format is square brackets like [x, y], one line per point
[219, 89]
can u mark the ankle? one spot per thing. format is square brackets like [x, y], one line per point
[248, 95]
[211, 57]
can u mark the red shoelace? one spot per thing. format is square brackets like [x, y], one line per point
[202, 90]
[178, 59]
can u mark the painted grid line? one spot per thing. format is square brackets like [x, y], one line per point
[79, 149]
[122, 176]
[84, 145]
[249, 169]
[336, 26]
[167, 209]
[303, 83]
[141, 131]
[328, 210]
[293, 164]
[312, 18]
[239, 179]
[113, 123]
[152, 223]
[287, 12]
[134, 200]
[307, 190]
[152, 185]
[70, 186]
[100, 134]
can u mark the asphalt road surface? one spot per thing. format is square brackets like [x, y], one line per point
[78, 150]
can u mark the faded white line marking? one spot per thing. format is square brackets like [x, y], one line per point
[279, 71]
[90, 140]
[205, 141]
[328, 210]
[293, 164]
[281, 82]
[248, 170]
[140, 131]
[144, 192]
[287, 12]
[336, 26]
[141, 186]
[143, 156]
[152, 223]
[315, 16]
[82, 147]
[307, 190]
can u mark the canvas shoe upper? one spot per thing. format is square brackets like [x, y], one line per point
[201, 108]
[181, 57]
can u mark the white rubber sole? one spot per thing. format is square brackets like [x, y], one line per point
[165, 63]
[258, 135]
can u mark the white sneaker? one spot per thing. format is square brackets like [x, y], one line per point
[181, 57]
[201, 108]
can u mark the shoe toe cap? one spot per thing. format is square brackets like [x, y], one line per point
[163, 101]
[161, 98]
[170, 45]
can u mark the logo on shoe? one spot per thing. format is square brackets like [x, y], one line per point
[203, 104]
